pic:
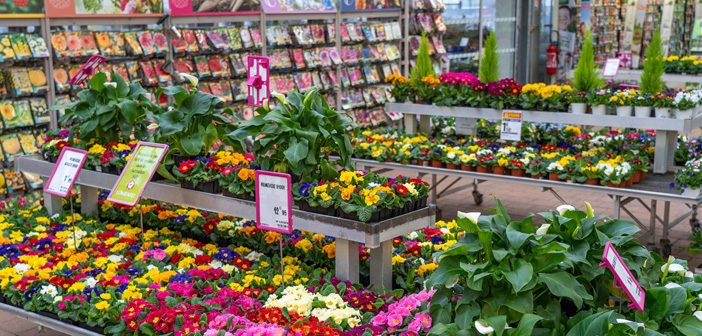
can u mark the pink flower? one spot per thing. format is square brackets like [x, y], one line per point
[156, 254]
[379, 319]
[414, 326]
[394, 320]
[425, 319]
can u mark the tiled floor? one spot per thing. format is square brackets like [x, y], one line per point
[518, 199]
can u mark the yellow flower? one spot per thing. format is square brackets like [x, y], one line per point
[271, 237]
[426, 268]
[105, 296]
[102, 305]
[304, 245]
[96, 150]
[371, 199]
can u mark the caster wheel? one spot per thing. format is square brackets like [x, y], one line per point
[695, 224]
[477, 197]
[653, 247]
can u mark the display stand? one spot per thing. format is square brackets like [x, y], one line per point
[348, 233]
[45, 321]
[670, 79]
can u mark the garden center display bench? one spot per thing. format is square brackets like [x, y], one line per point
[654, 188]
[376, 236]
[50, 322]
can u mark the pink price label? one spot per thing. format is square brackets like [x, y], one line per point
[87, 70]
[65, 171]
[622, 277]
[258, 80]
[273, 201]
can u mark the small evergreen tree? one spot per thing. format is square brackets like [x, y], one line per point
[489, 68]
[423, 66]
[586, 76]
[654, 66]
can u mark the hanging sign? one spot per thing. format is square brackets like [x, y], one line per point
[203, 8]
[273, 201]
[296, 6]
[65, 171]
[511, 126]
[363, 5]
[137, 173]
[258, 79]
[611, 67]
[623, 277]
[87, 70]
[103, 8]
[21, 8]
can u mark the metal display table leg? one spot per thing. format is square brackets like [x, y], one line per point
[381, 266]
[347, 260]
[52, 203]
[89, 200]
[665, 151]
[425, 123]
[410, 123]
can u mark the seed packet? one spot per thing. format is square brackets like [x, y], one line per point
[20, 46]
[104, 43]
[324, 57]
[232, 38]
[121, 71]
[439, 22]
[133, 71]
[332, 77]
[215, 66]
[325, 80]
[148, 73]
[256, 37]
[202, 41]
[352, 32]
[118, 44]
[285, 37]
[380, 33]
[190, 39]
[299, 58]
[17, 80]
[238, 65]
[226, 70]
[272, 37]
[133, 43]
[22, 115]
[37, 45]
[246, 40]
[345, 80]
[202, 67]
[28, 142]
[75, 44]
[162, 75]
[3, 84]
[344, 31]
[438, 45]
[58, 44]
[90, 47]
[61, 78]
[237, 93]
[299, 35]
[13, 179]
[40, 111]
[160, 42]
[6, 51]
[368, 32]
[203, 87]
[11, 146]
[309, 58]
[215, 89]
[366, 54]
[215, 39]
[184, 65]
[316, 80]
[38, 80]
[226, 91]
[35, 181]
[3, 183]
[318, 34]
[146, 41]
[331, 32]
[289, 81]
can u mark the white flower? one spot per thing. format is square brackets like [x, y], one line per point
[472, 216]
[91, 282]
[445, 230]
[673, 268]
[215, 264]
[451, 155]
[622, 321]
[193, 80]
[112, 84]
[150, 267]
[253, 256]
[21, 268]
[689, 274]
[114, 258]
[412, 235]
[49, 289]
[672, 285]
[483, 328]
[453, 282]
[698, 314]
[564, 207]
[543, 229]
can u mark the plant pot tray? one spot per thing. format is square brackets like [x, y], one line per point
[46, 321]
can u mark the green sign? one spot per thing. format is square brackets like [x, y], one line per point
[136, 175]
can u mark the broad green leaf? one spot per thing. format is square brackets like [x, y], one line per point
[562, 284]
[97, 82]
[296, 151]
[497, 323]
[619, 227]
[191, 143]
[465, 315]
[520, 274]
[597, 324]
[210, 137]
[688, 325]
[515, 236]
[526, 325]
[658, 302]
[128, 109]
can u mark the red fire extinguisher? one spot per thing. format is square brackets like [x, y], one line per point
[552, 58]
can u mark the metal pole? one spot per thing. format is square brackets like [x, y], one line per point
[73, 222]
[480, 31]
[141, 221]
[282, 263]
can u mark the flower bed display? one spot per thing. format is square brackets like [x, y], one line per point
[464, 89]
[604, 157]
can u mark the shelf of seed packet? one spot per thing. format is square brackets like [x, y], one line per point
[425, 16]
[136, 52]
[216, 54]
[370, 51]
[24, 116]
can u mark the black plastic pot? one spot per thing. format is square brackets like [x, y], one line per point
[50, 157]
[48, 314]
[243, 196]
[111, 170]
[211, 186]
[178, 159]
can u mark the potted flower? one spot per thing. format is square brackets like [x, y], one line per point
[516, 166]
[663, 102]
[485, 161]
[199, 174]
[591, 174]
[685, 104]
[435, 155]
[578, 102]
[554, 170]
[452, 157]
[642, 104]
[689, 178]
[599, 101]
[502, 166]
[621, 100]
[537, 167]
[238, 182]
[401, 88]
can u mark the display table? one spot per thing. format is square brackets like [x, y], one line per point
[654, 188]
[666, 129]
[348, 233]
[672, 80]
[45, 321]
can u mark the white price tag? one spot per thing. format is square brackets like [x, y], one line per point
[273, 201]
[511, 126]
[464, 42]
[611, 67]
[65, 171]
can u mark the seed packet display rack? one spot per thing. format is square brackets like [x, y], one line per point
[348, 233]
[647, 194]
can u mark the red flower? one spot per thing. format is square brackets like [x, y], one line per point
[61, 144]
[186, 166]
[209, 227]
[270, 289]
[203, 259]
[401, 189]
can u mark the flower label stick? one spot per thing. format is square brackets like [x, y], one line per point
[622, 276]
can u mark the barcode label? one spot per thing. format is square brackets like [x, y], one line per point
[511, 126]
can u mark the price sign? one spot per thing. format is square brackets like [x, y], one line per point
[273, 201]
[611, 67]
[466, 126]
[464, 42]
[137, 173]
[511, 126]
[623, 277]
[65, 172]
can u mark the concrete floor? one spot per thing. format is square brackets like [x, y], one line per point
[518, 199]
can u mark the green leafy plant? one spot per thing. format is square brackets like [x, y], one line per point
[586, 77]
[193, 123]
[110, 111]
[489, 67]
[297, 135]
[654, 66]
[423, 67]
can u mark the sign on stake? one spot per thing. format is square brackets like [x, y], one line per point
[258, 80]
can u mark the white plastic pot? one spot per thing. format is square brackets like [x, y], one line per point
[642, 111]
[599, 109]
[578, 108]
[663, 112]
[689, 192]
[624, 111]
[684, 114]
